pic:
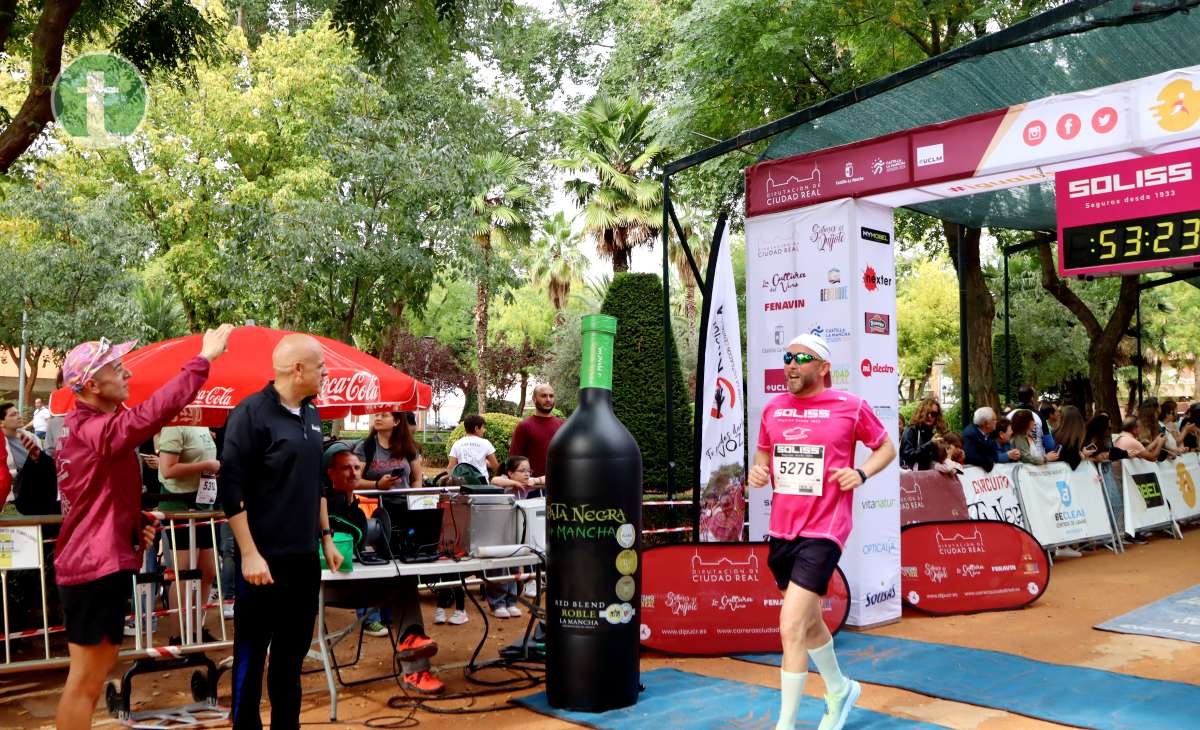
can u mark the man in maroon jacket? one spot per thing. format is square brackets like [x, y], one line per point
[102, 533]
[532, 437]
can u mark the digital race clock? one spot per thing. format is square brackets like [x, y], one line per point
[1129, 216]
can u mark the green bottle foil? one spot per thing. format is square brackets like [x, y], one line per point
[599, 333]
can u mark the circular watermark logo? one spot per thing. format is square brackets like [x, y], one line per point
[99, 99]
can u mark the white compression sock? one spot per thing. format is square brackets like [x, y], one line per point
[827, 665]
[791, 689]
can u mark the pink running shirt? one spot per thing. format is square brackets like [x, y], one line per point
[835, 420]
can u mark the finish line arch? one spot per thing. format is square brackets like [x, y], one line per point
[1128, 153]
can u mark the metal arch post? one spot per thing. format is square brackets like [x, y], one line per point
[1138, 356]
[963, 354]
[666, 282]
[1007, 341]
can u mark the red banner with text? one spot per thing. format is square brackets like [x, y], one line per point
[719, 598]
[970, 566]
[930, 495]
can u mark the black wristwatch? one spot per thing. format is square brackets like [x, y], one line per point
[327, 531]
[862, 474]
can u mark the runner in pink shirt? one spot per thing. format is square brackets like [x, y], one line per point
[806, 450]
[103, 532]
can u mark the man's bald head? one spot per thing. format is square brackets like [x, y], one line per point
[292, 349]
[299, 364]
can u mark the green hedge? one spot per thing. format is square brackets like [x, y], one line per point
[433, 449]
[499, 431]
[638, 375]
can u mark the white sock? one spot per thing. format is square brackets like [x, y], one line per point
[827, 665]
[791, 689]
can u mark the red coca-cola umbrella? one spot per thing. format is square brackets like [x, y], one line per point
[357, 383]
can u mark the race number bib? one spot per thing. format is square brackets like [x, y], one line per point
[207, 493]
[799, 469]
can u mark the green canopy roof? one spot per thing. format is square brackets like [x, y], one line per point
[1080, 45]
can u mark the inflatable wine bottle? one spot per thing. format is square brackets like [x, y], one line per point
[593, 535]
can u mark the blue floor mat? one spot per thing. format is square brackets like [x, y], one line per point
[675, 699]
[1174, 617]
[1067, 695]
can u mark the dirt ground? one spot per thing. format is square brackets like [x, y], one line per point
[1058, 628]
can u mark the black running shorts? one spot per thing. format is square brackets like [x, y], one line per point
[96, 610]
[808, 562]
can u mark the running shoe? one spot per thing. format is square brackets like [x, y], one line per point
[415, 646]
[459, 617]
[424, 683]
[501, 612]
[1066, 552]
[375, 628]
[531, 589]
[514, 612]
[439, 615]
[837, 709]
[227, 610]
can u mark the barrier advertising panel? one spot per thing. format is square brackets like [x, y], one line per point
[1145, 504]
[1064, 505]
[970, 566]
[1178, 478]
[719, 599]
[992, 495]
[929, 496]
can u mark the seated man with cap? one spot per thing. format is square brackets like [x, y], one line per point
[397, 594]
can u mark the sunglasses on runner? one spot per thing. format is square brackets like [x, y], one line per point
[800, 358]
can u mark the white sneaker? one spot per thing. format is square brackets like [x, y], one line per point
[439, 615]
[500, 612]
[1066, 552]
[227, 610]
[514, 612]
[531, 589]
[459, 617]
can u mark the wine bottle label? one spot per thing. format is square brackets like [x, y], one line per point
[595, 370]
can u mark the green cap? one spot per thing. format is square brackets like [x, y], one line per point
[600, 323]
[595, 370]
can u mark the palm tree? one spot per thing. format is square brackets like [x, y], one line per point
[557, 262]
[693, 225]
[499, 221]
[162, 315]
[613, 152]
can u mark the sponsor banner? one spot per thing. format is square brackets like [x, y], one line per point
[832, 256]
[971, 566]
[992, 495]
[1145, 502]
[1015, 145]
[1129, 215]
[1169, 105]
[930, 496]
[1179, 478]
[841, 172]
[719, 599]
[1064, 505]
[723, 432]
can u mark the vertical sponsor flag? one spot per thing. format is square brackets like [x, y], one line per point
[723, 431]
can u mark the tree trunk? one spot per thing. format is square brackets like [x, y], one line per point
[1157, 375]
[981, 312]
[1131, 399]
[620, 252]
[33, 359]
[481, 328]
[524, 387]
[1102, 352]
[391, 334]
[44, 65]
[1196, 380]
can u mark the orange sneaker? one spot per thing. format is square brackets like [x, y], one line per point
[424, 683]
[415, 646]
